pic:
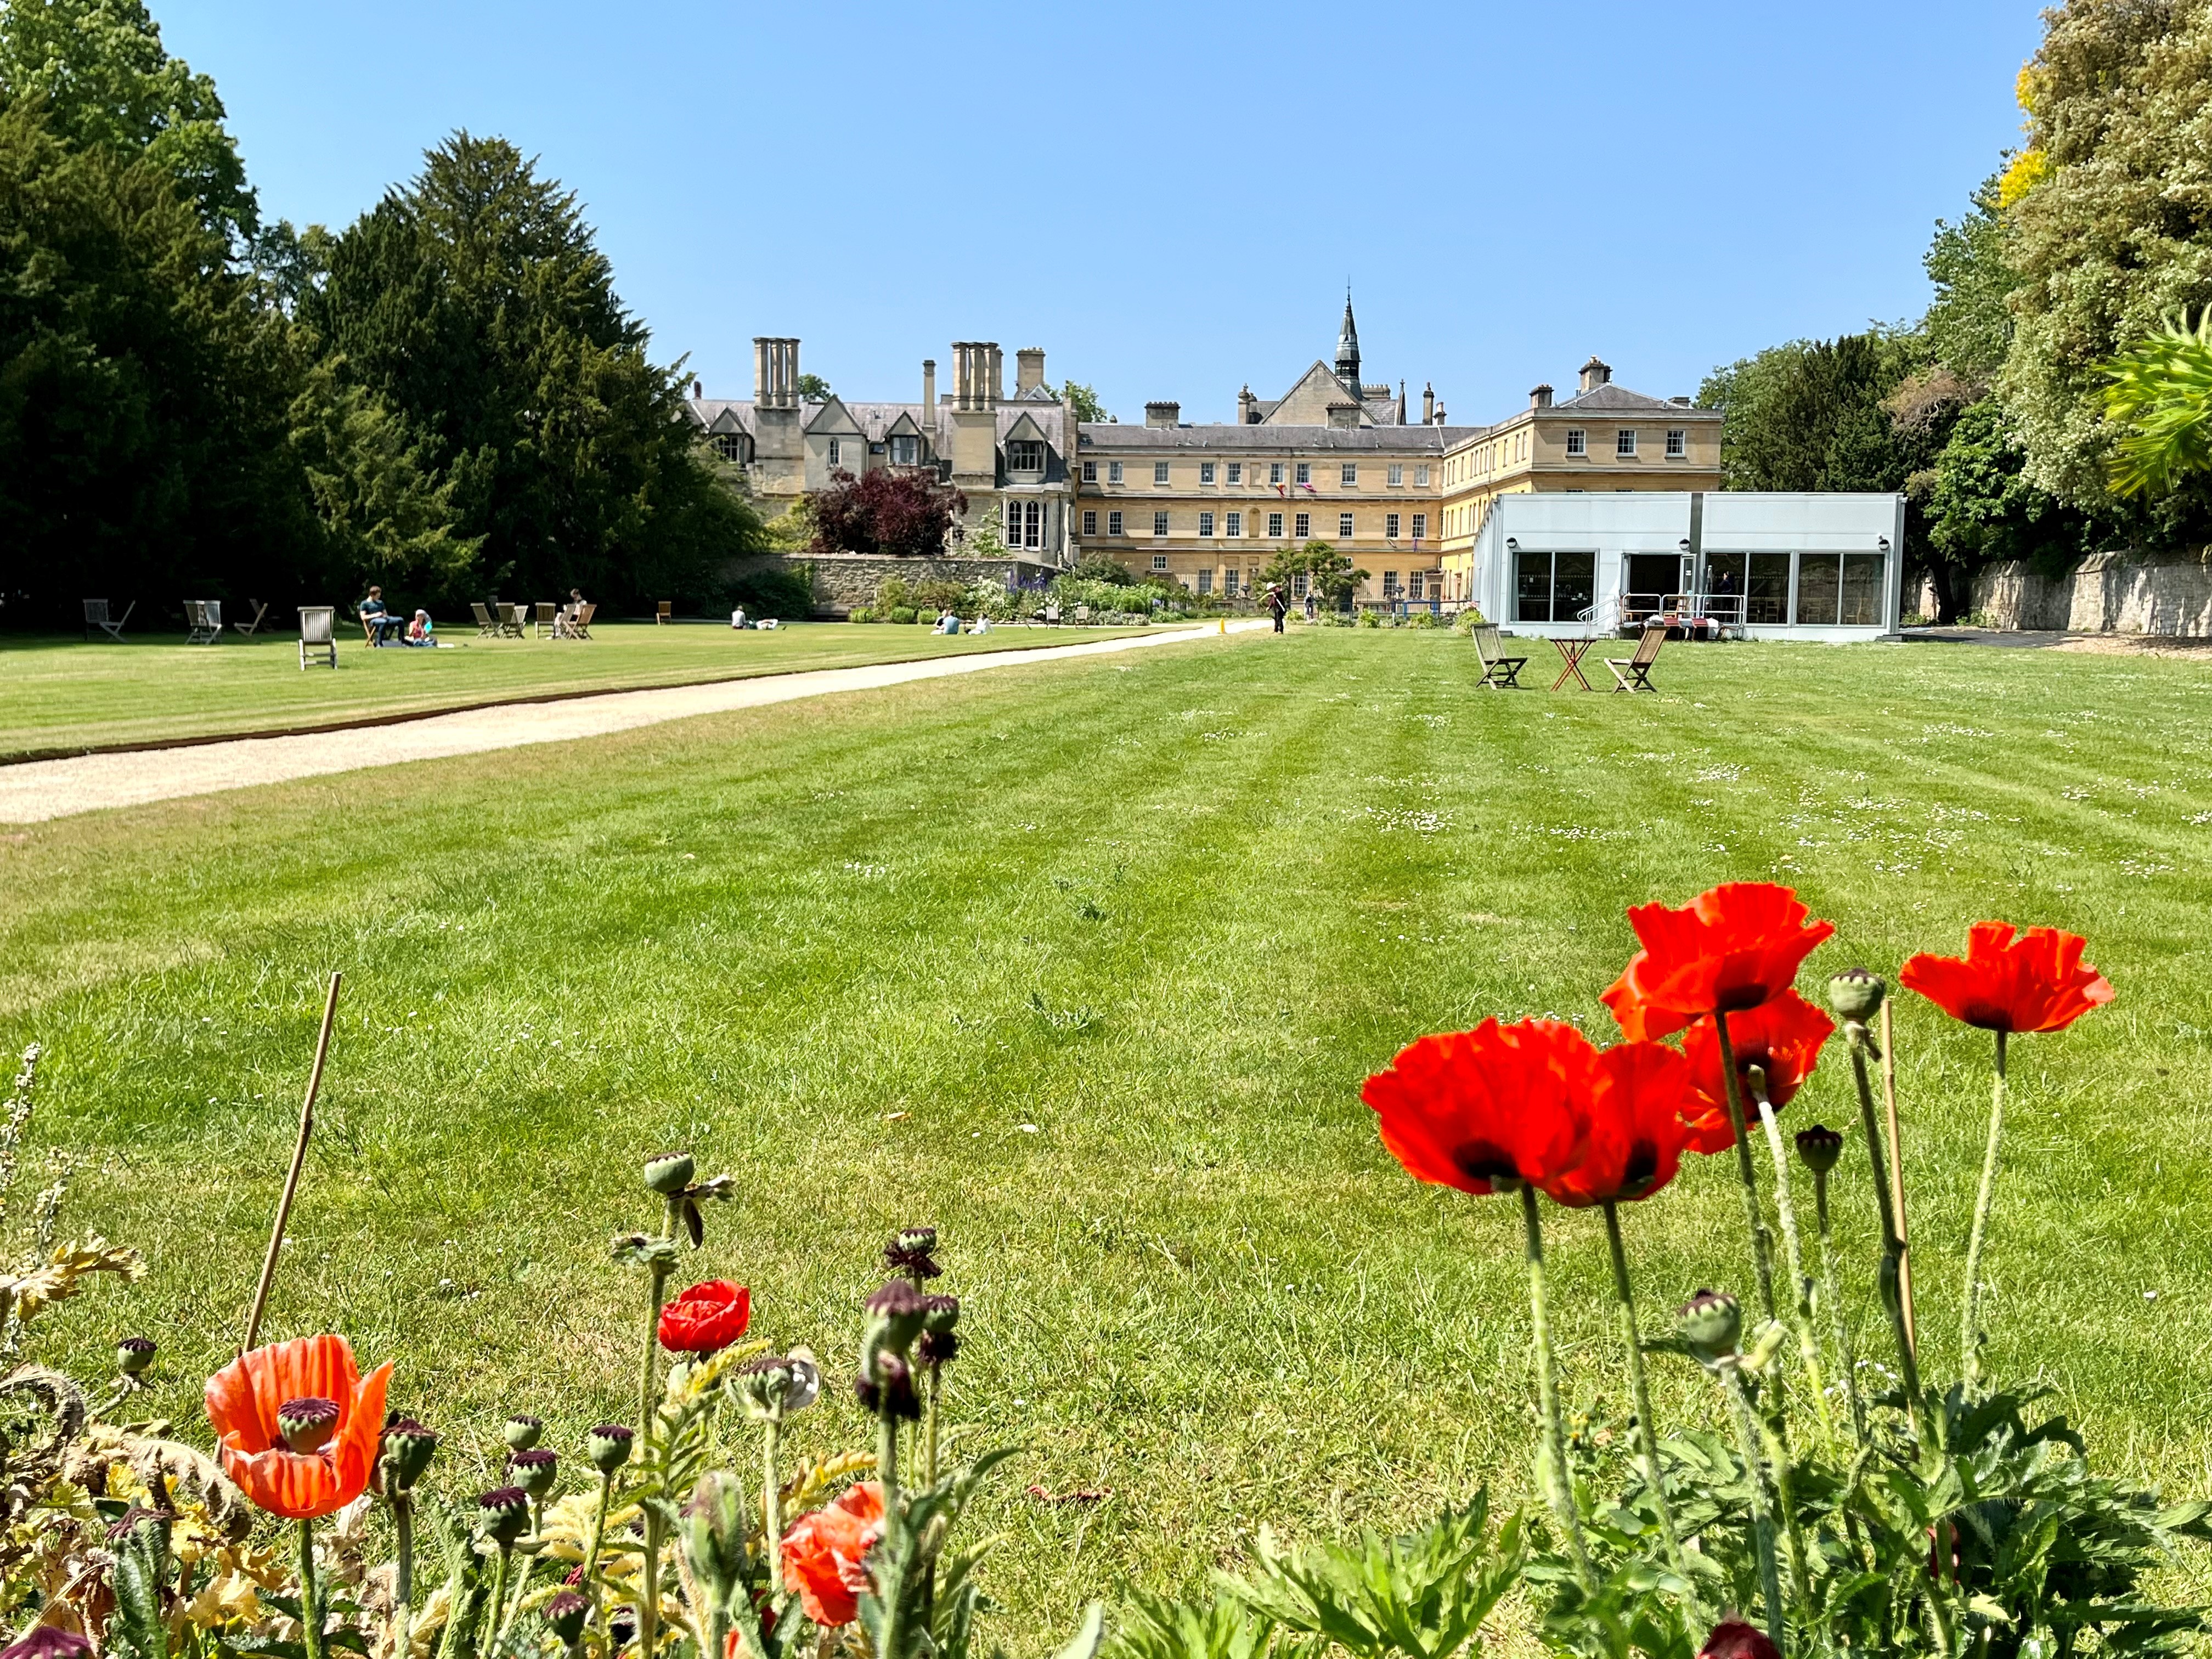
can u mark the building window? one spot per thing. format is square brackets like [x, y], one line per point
[1344, 526]
[1159, 561]
[1228, 583]
[1305, 473]
[906, 451]
[1397, 473]
[1206, 582]
[1024, 524]
[1350, 471]
[1159, 524]
[1578, 441]
[1390, 526]
[1090, 524]
[1552, 587]
[1678, 443]
[1389, 584]
[1301, 526]
[1237, 472]
[1159, 475]
[1113, 472]
[1298, 584]
[836, 452]
[1113, 524]
[1206, 523]
[1624, 441]
[1090, 472]
[1274, 472]
[1025, 455]
[1420, 526]
[1235, 526]
[1205, 473]
[1275, 524]
[729, 446]
[1416, 586]
[1420, 475]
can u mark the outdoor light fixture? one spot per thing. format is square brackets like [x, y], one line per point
[1685, 546]
[1512, 545]
[1881, 544]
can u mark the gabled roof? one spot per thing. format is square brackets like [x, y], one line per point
[1318, 384]
[1608, 399]
[904, 427]
[834, 418]
[1026, 429]
[1277, 439]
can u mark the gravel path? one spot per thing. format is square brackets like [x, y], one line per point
[38, 790]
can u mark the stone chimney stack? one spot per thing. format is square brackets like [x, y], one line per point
[775, 372]
[929, 394]
[1540, 397]
[778, 448]
[1595, 374]
[1428, 405]
[698, 391]
[974, 451]
[1247, 408]
[1028, 369]
[1162, 414]
[995, 374]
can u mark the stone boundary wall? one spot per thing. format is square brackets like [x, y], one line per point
[2106, 593]
[844, 581]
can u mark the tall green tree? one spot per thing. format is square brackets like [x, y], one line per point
[474, 302]
[1809, 414]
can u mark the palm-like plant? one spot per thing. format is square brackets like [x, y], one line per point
[2159, 393]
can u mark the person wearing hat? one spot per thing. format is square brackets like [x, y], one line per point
[1277, 604]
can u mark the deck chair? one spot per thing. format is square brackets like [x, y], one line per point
[580, 625]
[1051, 613]
[250, 628]
[487, 625]
[1499, 672]
[96, 616]
[511, 618]
[1634, 673]
[319, 636]
[548, 620]
[204, 621]
[1081, 616]
[665, 613]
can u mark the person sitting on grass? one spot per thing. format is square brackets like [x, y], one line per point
[421, 631]
[948, 622]
[738, 618]
[376, 619]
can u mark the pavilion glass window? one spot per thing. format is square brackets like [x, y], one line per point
[1552, 587]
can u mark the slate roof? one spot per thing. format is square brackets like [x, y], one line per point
[1403, 440]
[1608, 399]
[877, 419]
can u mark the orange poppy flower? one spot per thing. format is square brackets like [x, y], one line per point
[1485, 1110]
[246, 1398]
[1732, 948]
[824, 1552]
[1782, 1036]
[2034, 982]
[1630, 1098]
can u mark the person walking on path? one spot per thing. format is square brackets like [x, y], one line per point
[1277, 605]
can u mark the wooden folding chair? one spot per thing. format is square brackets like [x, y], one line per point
[1634, 673]
[487, 624]
[511, 618]
[203, 621]
[666, 613]
[580, 625]
[319, 633]
[96, 616]
[1499, 672]
[250, 628]
[548, 619]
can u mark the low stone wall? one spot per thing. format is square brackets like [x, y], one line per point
[846, 580]
[2106, 593]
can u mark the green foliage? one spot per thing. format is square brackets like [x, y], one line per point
[1082, 401]
[1331, 577]
[785, 591]
[1104, 567]
[1809, 414]
[1227, 1628]
[812, 388]
[1978, 505]
[1969, 323]
[2158, 394]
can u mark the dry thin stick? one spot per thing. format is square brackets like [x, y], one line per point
[292, 1180]
[1897, 1178]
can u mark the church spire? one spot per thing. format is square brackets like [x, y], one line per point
[1347, 347]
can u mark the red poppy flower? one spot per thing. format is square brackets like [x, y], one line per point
[247, 1398]
[1782, 1036]
[2035, 982]
[1630, 1098]
[1731, 948]
[1482, 1109]
[1734, 1639]
[707, 1318]
[824, 1552]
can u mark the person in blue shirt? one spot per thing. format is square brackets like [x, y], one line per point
[376, 621]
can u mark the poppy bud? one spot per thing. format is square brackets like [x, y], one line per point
[715, 1529]
[133, 1354]
[407, 1448]
[938, 1345]
[535, 1468]
[566, 1614]
[504, 1514]
[1857, 996]
[307, 1424]
[523, 1431]
[887, 1388]
[670, 1173]
[1734, 1639]
[897, 1312]
[609, 1446]
[911, 1254]
[1709, 1322]
[777, 1384]
[1819, 1147]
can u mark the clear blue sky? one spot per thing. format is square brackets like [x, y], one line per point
[1168, 198]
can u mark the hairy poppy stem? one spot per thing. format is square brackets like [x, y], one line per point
[311, 1601]
[1801, 1299]
[1893, 1247]
[598, 1539]
[1835, 1306]
[929, 1460]
[1762, 1524]
[403, 1571]
[648, 1594]
[1762, 1242]
[891, 1642]
[1640, 1389]
[1897, 1178]
[771, 1507]
[1970, 1335]
[498, 1591]
[1557, 1481]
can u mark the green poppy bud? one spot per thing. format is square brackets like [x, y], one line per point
[566, 1615]
[715, 1524]
[1709, 1322]
[1857, 996]
[535, 1470]
[504, 1514]
[609, 1446]
[133, 1354]
[407, 1448]
[523, 1431]
[670, 1173]
[896, 1316]
[1819, 1147]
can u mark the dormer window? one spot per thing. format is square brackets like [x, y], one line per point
[906, 451]
[1025, 455]
[730, 446]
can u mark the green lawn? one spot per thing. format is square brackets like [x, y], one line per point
[59, 694]
[1084, 963]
